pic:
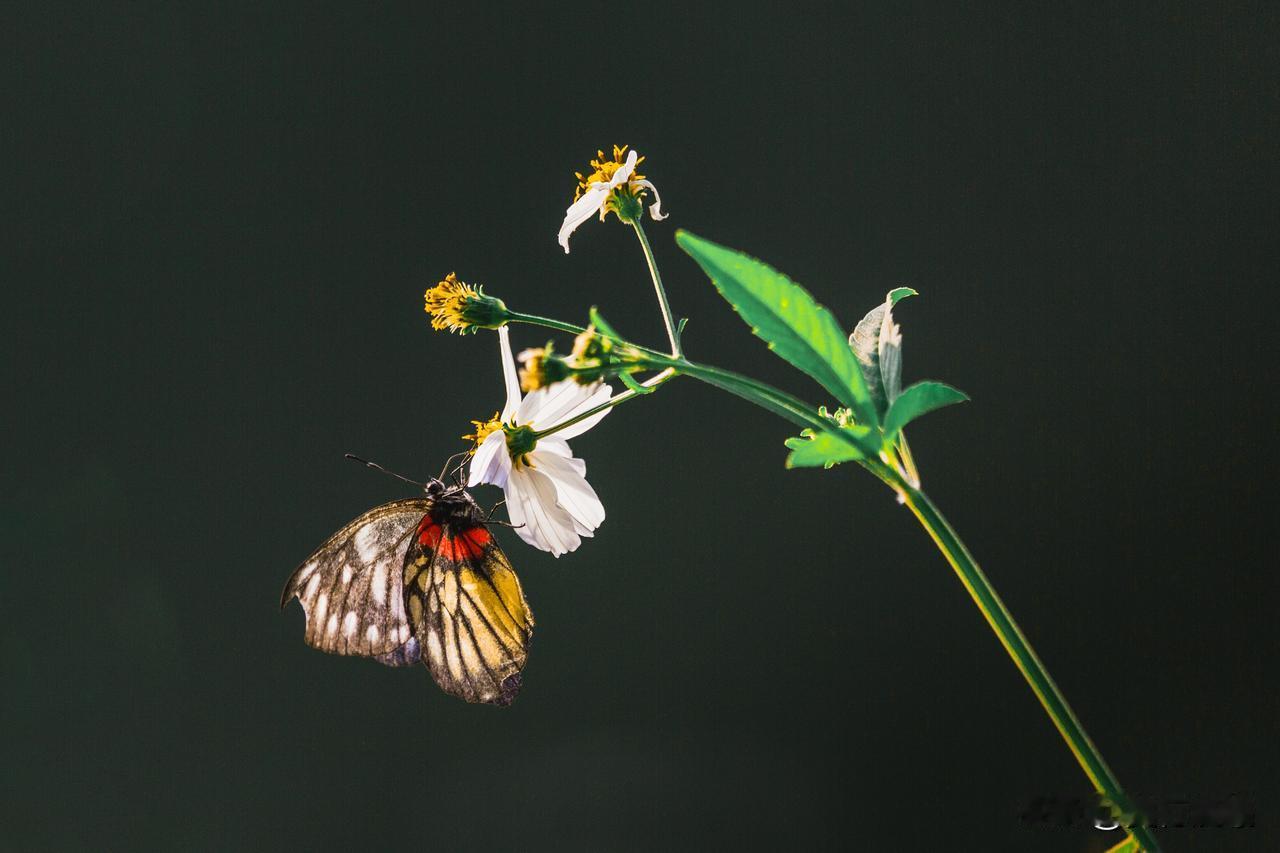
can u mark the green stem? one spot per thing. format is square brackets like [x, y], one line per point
[534, 319]
[776, 401]
[1025, 658]
[948, 542]
[667, 319]
[561, 326]
[798, 411]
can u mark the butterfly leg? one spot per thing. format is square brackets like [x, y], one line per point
[489, 517]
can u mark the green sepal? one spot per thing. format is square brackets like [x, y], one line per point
[521, 440]
[915, 401]
[628, 206]
[599, 322]
[812, 449]
[787, 318]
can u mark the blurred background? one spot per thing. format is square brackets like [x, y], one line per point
[218, 228]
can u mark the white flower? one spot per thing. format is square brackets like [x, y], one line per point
[598, 192]
[548, 496]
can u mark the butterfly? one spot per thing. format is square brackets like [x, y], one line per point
[420, 580]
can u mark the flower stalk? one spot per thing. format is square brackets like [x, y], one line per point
[1025, 658]
[948, 542]
[668, 320]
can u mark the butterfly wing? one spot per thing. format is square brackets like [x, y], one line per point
[467, 610]
[352, 587]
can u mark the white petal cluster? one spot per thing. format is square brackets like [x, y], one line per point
[548, 496]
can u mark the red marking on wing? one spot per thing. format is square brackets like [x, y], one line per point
[461, 545]
[429, 532]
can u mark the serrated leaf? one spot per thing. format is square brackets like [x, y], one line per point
[810, 449]
[915, 401]
[877, 345]
[786, 317]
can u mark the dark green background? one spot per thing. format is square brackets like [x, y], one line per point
[219, 225]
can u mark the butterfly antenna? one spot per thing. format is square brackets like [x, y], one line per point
[449, 461]
[375, 466]
[457, 472]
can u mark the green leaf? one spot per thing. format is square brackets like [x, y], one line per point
[877, 345]
[787, 318]
[1129, 845]
[899, 293]
[811, 449]
[597, 320]
[915, 401]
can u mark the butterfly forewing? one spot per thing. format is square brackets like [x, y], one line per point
[352, 587]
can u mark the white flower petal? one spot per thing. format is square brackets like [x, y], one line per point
[655, 209]
[623, 174]
[547, 525]
[492, 463]
[508, 375]
[599, 398]
[547, 407]
[591, 201]
[515, 509]
[560, 447]
[554, 444]
[573, 491]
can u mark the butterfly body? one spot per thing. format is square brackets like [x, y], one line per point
[420, 580]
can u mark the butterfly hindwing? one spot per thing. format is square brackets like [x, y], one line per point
[351, 588]
[467, 610]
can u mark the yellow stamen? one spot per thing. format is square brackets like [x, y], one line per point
[483, 430]
[604, 170]
[447, 303]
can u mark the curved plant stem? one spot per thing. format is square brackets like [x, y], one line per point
[1025, 658]
[948, 542]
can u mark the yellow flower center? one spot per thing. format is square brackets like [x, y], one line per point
[447, 302]
[605, 170]
[483, 430]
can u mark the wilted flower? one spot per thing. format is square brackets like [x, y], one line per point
[615, 187]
